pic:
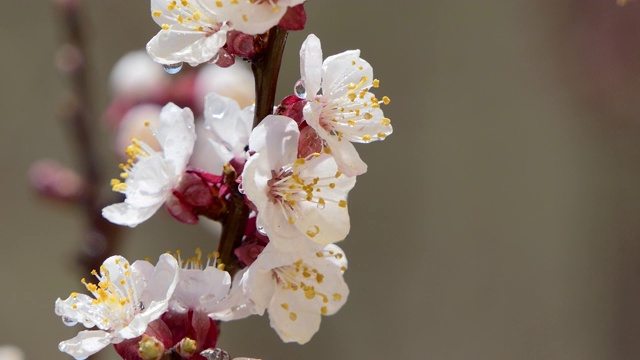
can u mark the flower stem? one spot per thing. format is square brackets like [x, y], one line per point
[265, 71]
[101, 237]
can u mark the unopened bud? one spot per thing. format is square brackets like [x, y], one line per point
[53, 180]
[186, 347]
[224, 59]
[150, 348]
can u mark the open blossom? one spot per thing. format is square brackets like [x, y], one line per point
[125, 300]
[254, 17]
[151, 176]
[186, 327]
[296, 198]
[191, 32]
[341, 108]
[296, 288]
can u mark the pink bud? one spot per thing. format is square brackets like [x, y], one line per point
[294, 19]
[50, 179]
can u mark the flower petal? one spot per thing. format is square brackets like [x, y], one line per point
[86, 343]
[311, 65]
[177, 135]
[127, 214]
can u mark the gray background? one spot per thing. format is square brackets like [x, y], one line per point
[499, 221]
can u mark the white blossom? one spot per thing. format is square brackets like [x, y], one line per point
[296, 198]
[191, 32]
[296, 288]
[254, 17]
[150, 176]
[341, 108]
[125, 300]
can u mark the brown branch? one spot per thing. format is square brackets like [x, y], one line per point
[101, 237]
[265, 70]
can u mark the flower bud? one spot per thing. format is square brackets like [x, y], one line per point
[186, 347]
[150, 348]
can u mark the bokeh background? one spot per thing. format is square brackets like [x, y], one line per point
[499, 221]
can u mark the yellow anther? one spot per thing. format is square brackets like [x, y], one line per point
[244, 18]
[337, 297]
[386, 100]
[323, 310]
[293, 316]
[291, 221]
[157, 13]
[218, 3]
[366, 138]
[338, 174]
[165, 27]
[285, 306]
[385, 122]
[382, 135]
[119, 187]
[367, 116]
[196, 16]
[376, 83]
[351, 123]
[319, 278]
[221, 266]
[342, 203]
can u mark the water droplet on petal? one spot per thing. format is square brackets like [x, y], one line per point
[173, 68]
[68, 321]
[215, 354]
[141, 306]
[261, 230]
[241, 189]
[321, 205]
[300, 90]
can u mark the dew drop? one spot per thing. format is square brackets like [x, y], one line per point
[300, 90]
[173, 68]
[68, 321]
[261, 230]
[241, 189]
[321, 205]
[141, 306]
[215, 354]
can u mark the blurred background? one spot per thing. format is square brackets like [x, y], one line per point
[499, 221]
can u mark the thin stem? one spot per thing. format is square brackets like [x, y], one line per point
[101, 237]
[265, 71]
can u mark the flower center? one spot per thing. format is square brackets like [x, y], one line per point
[119, 298]
[188, 15]
[136, 151]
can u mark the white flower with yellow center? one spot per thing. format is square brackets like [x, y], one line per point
[296, 198]
[126, 299]
[150, 176]
[253, 16]
[295, 288]
[341, 108]
[191, 32]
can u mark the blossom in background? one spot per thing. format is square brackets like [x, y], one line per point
[254, 17]
[296, 198]
[296, 288]
[191, 32]
[340, 107]
[125, 300]
[151, 176]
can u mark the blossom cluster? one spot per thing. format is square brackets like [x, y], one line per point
[293, 171]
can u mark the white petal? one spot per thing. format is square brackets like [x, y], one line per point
[86, 343]
[200, 289]
[311, 65]
[177, 135]
[229, 124]
[237, 304]
[254, 181]
[162, 282]
[127, 214]
[149, 181]
[341, 70]
[297, 323]
[193, 47]
[276, 139]
[346, 156]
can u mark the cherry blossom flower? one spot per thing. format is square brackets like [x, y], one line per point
[254, 17]
[151, 176]
[185, 327]
[295, 288]
[191, 32]
[340, 105]
[126, 299]
[296, 198]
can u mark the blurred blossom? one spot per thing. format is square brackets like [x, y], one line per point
[235, 82]
[10, 352]
[136, 76]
